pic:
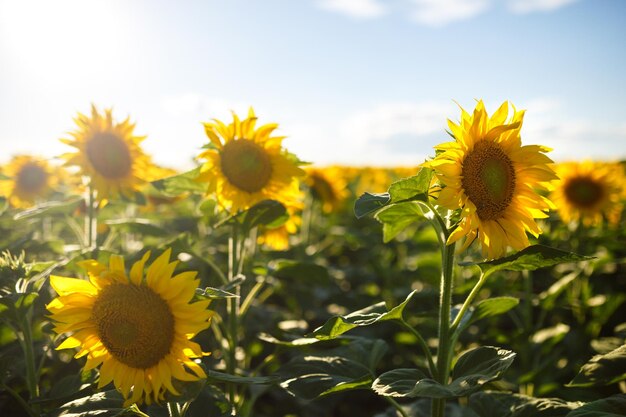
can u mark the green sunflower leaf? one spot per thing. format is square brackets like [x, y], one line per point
[602, 369]
[244, 380]
[492, 307]
[397, 217]
[500, 404]
[101, 404]
[369, 203]
[407, 189]
[50, 208]
[180, 183]
[214, 293]
[344, 368]
[529, 259]
[338, 325]
[473, 369]
[269, 213]
[297, 271]
[614, 406]
[210, 402]
[135, 225]
[412, 188]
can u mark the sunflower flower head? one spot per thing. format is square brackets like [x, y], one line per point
[109, 154]
[494, 180]
[136, 327]
[328, 186]
[245, 164]
[589, 192]
[29, 179]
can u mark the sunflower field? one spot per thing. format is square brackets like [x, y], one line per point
[485, 281]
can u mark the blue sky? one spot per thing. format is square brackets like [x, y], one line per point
[349, 81]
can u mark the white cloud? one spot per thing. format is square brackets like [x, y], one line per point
[360, 9]
[393, 133]
[529, 6]
[396, 133]
[546, 123]
[437, 12]
[442, 12]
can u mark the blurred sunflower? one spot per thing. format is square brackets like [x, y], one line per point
[327, 185]
[493, 179]
[136, 328]
[588, 191]
[277, 238]
[245, 165]
[30, 179]
[109, 154]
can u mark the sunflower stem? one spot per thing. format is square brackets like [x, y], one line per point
[173, 409]
[19, 399]
[468, 301]
[90, 224]
[232, 306]
[29, 355]
[397, 406]
[445, 302]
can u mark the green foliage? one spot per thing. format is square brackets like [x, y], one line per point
[214, 293]
[404, 190]
[50, 208]
[369, 203]
[614, 406]
[397, 217]
[338, 325]
[500, 404]
[101, 404]
[603, 369]
[472, 370]
[268, 213]
[236, 379]
[181, 183]
[528, 259]
[344, 368]
[491, 307]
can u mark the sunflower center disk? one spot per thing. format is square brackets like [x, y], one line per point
[109, 155]
[583, 192]
[488, 179]
[246, 165]
[31, 178]
[135, 324]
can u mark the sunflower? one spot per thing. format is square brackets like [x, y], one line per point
[30, 179]
[278, 238]
[327, 185]
[136, 328]
[109, 154]
[245, 165]
[589, 191]
[493, 179]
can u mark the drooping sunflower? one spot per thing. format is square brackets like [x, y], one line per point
[493, 179]
[136, 328]
[245, 165]
[30, 179]
[328, 185]
[109, 154]
[589, 191]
